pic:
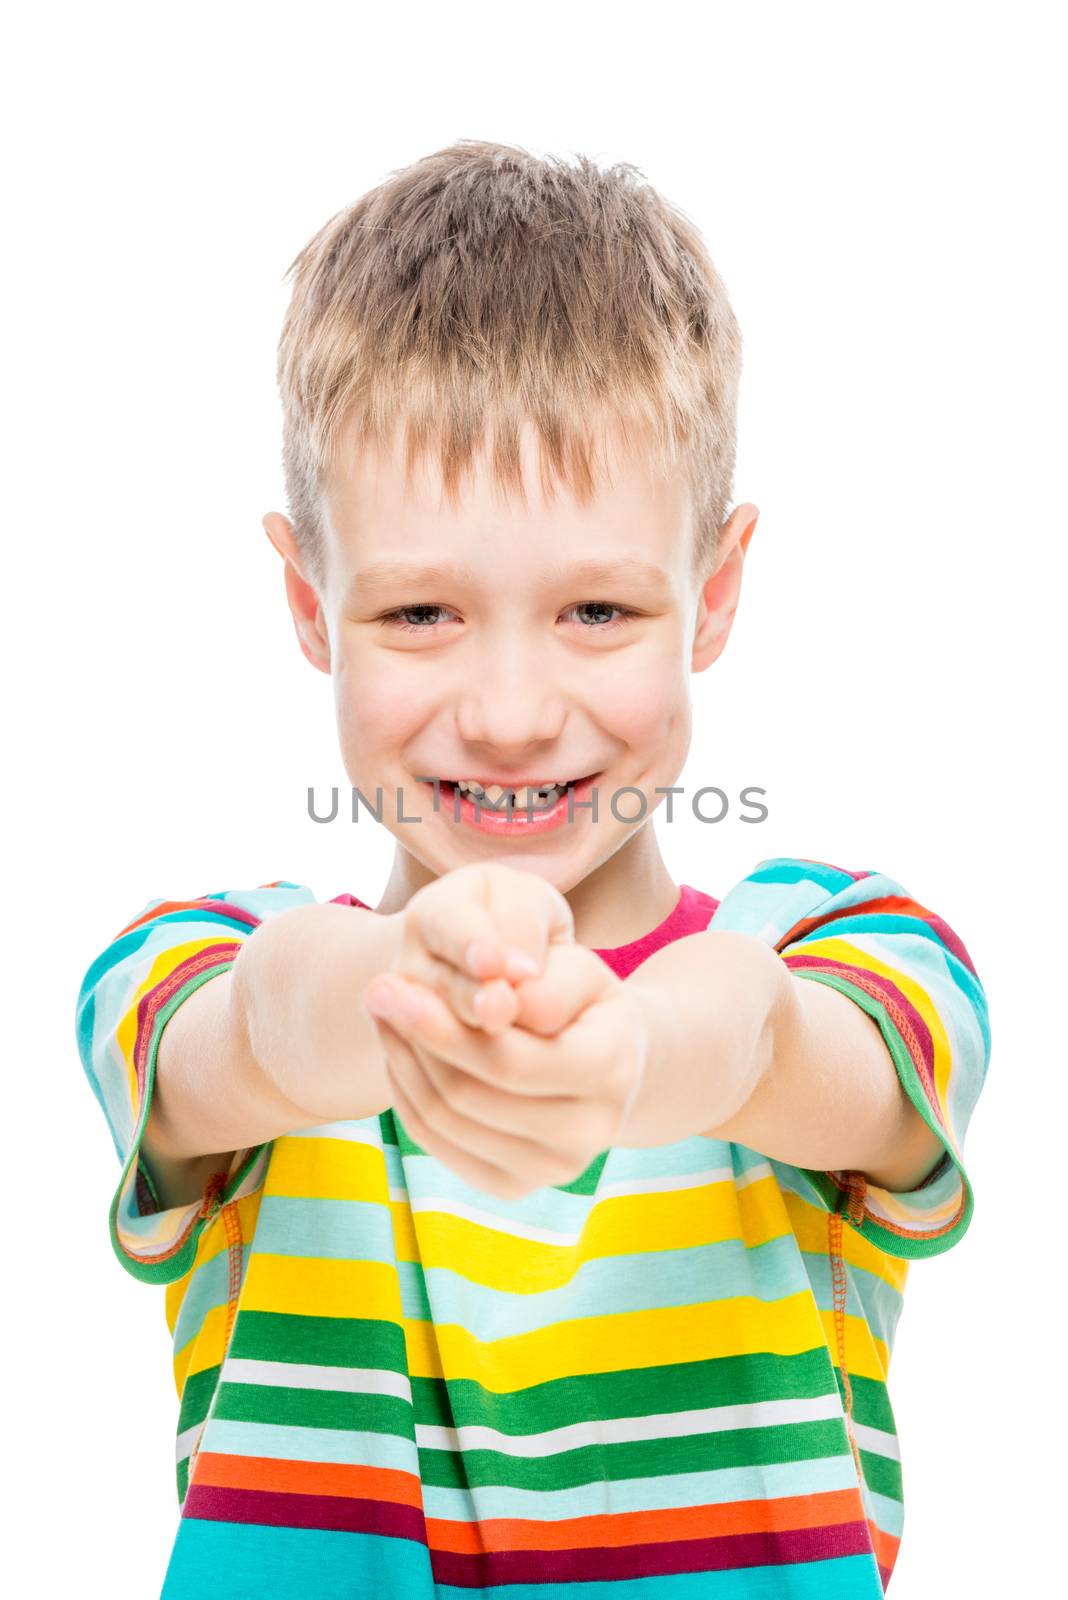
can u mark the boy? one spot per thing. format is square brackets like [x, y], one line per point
[580, 1259]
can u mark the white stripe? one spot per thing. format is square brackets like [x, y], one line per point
[351, 1131]
[299, 1375]
[614, 1430]
[183, 1444]
[878, 1441]
[625, 1430]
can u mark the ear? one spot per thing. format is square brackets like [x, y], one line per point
[302, 596]
[721, 589]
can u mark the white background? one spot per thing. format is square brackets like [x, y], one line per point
[880, 188]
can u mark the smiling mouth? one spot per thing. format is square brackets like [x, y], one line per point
[496, 797]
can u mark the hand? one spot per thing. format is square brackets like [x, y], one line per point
[476, 932]
[513, 1109]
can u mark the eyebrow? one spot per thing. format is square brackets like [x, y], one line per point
[427, 575]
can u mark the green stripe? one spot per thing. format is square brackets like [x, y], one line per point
[723, 1380]
[883, 1474]
[196, 1398]
[871, 1403]
[320, 1341]
[643, 1458]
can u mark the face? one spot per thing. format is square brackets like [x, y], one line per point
[502, 642]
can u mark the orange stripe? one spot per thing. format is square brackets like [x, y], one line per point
[626, 1528]
[885, 1545]
[273, 1476]
[159, 911]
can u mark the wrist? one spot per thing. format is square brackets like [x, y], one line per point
[711, 1006]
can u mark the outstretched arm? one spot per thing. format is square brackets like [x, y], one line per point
[745, 1051]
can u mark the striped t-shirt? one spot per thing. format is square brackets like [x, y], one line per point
[670, 1372]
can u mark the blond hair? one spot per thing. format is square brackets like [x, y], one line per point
[483, 286]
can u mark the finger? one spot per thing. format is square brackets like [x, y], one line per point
[519, 908]
[468, 937]
[514, 1059]
[502, 1142]
[470, 1168]
[489, 1006]
[574, 978]
[559, 1127]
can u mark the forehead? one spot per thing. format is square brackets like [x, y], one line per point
[377, 511]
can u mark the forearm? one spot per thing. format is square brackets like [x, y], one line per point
[709, 1004]
[743, 1050]
[278, 1042]
[209, 1093]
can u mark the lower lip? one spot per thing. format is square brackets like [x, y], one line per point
[488, 820]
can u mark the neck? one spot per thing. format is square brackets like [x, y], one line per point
[625, 897]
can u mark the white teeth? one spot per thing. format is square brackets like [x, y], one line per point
[542, 797]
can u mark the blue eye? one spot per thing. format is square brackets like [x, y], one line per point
[605, 605]
[394, 617]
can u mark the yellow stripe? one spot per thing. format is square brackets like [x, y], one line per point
[321, 1168]
[205, 1349]
[623, 1225]
[333, 1169]
[193, 1356]
[866, 1355]
[810, 1229]
[740, 1326]
[698, 1332]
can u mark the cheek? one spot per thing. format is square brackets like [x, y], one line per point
[645, 705]
[376, 710]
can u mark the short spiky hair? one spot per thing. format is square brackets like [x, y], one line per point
[483, 286]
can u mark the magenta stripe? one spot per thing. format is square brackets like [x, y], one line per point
[605, 1563]
[340, 1513]
[599, 1563]
[950, 940]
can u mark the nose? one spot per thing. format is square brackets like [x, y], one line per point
[513, 707]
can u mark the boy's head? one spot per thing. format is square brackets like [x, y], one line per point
[515, 372]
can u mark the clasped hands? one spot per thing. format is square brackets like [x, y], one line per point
[513, 1054]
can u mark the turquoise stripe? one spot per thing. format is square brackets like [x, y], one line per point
[246, 1561]
[336, 1446]
[787, 869]
[867, 1295]
[613, 1286]
[208, 1289]
[665, 1492]
[557, 1210]
[609, 1285]
[889, 1514]
[848, 1578]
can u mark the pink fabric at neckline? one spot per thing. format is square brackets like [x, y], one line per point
[692, 913]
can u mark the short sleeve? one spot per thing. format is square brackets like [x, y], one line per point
[863, 934]
[125, 1000]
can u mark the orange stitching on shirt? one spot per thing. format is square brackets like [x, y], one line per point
[232, 1223]
[210, 1203]
[857, 1185]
